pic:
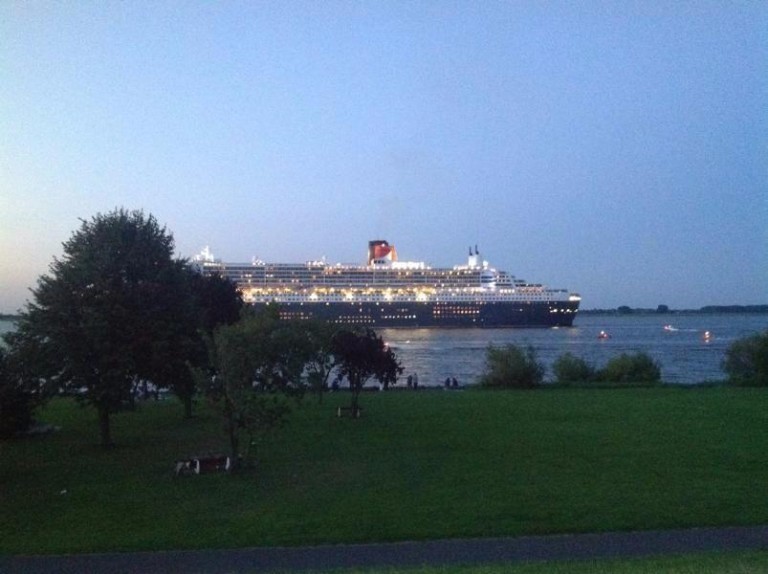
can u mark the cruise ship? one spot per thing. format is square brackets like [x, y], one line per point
[387, 292]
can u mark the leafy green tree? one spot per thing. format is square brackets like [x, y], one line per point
[204, 303]
[746, 360]
[22, 389]
[217, 300]
[571, 369]
[107, 312]
[258, 364]
[511, 367]
[320, 359]
[631, 368]
[360, 357]
[16, 402]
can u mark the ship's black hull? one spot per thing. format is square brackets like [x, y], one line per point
[424, 314]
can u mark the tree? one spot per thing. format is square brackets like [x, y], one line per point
[107, 312]
[21, 388]
[208, 301]
[320, 359]
[360, 357]
[16, 402]
[217, 300]
[746, 360]
[511, 367]
[258, 364]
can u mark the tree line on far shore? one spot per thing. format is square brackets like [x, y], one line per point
[665, 309]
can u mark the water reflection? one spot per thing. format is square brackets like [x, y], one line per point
[683, 352]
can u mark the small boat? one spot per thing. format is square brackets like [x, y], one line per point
[707, 336]
[603, 335]
[670, 328]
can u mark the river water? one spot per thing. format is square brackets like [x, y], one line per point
[683, 353]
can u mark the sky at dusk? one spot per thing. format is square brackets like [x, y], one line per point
[617, 149]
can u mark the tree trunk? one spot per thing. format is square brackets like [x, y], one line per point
[355, 388]
[104, 427]
[234, 443]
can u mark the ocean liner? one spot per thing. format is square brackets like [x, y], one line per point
[387, 292]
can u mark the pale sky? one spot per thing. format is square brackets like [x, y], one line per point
[617, 149]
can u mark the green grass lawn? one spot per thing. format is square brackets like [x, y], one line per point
[417, 466]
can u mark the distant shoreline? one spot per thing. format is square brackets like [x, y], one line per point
[662, 310]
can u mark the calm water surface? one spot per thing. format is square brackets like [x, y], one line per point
[683, 354]
[685, 357]
[5, 327]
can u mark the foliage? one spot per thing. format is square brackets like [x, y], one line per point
[511, 367]
[631, 368]
[746, 360]
[15, 402]
[320, 359]
[258, 364]
[212, 301]
[112, 309]
[217, 300]
[361, 356]
[571, 369]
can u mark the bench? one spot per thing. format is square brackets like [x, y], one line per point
[202, 465]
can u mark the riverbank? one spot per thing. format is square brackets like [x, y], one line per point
[487, 464]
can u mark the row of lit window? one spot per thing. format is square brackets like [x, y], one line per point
[455, 312]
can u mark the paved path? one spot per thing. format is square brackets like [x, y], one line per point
[439, 552]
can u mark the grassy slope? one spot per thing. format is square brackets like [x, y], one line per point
[416, 466]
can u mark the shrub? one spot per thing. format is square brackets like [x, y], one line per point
[15, 403]
[746, 361]
[511, 367]
[571, 369]
[631, 368]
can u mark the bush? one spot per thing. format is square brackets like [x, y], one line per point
[631, 368]
[571, 369]
[15, 403]
[511, 367]
[746, 361]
